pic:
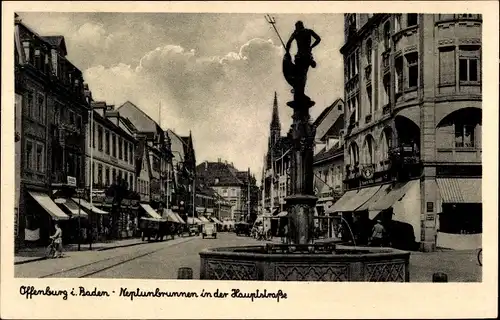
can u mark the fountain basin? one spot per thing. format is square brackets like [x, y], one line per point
[307, 263]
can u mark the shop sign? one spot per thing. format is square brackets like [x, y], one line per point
[430, 217]
[71, 181]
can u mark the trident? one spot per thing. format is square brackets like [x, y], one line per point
[272, 21]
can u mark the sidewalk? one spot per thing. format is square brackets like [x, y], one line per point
[35, 254]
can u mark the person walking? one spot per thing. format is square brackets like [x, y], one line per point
[378, 234]
[57, 237]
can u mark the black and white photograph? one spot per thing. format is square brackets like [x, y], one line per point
[262, 147]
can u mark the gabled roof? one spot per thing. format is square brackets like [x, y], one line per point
[57, 42]
[139, 118]
[326, 154]
[333, 116]
[210, 171]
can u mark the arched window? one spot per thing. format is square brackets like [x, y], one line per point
[387, 35]
[369, 48]
[385, 143]
[368, 150]
[354, 154]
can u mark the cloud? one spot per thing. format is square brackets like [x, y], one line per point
[214, 74]
[218, 98]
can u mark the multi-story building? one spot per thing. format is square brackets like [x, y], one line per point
[328, 163]
[182, 174]
[276, 179]
[52, 113]
[413, 126]
[232, 185]
[111, 146]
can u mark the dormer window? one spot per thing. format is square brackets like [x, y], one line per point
[216, 180]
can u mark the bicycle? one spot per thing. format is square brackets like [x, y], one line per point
[480, 257]
[50, 252]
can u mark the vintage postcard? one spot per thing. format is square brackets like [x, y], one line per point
[248, 159]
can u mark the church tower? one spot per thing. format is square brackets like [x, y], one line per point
[275, 126]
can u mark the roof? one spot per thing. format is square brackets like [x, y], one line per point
[327, 110]
[330, 121]
[58, 42]
[325, 154]
[210, 171]
[139, 118]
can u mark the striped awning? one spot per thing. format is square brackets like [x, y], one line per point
[170, 216]
[377, 196]
[390, 195]
[88, 206]
[341, 202]
[460, 190]
[214, 219]
[74, 208]
[50, 206]
[203, 219]
[151, 212]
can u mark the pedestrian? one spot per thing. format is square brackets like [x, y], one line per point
[57, 237]
[378, 234]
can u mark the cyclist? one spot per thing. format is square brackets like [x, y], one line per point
[57, 237]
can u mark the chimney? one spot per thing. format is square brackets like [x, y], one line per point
[206, 165]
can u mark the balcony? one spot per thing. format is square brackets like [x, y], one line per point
[405, 154]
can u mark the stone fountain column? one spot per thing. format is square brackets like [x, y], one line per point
[302, 201]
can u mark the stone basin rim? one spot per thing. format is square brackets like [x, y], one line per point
[371, 253]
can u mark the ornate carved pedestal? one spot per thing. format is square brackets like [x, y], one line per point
[302, 202]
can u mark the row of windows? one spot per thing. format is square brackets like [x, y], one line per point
[456, 64]
[51, 62]
[465, 137]
[231, 192]
[107, 142]
[107, 175]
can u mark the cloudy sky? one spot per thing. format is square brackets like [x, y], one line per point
[213, 74]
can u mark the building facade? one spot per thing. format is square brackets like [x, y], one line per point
[276, 172]
[413, 127]
[51, 114]
[237, 188]
[328, 164]
[110, 159]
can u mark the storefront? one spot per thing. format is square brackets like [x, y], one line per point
[40, 226]
[96, 217]
[460, 219]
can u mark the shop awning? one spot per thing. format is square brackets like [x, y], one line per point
[88, 206]
[337, 206]
[460, 190]
[50, 206]
[179, 218]
[214, 219]
[392, 194]
[191, 220]
[360, 198]
[203, 219]
[382, 192]
[170, 216]
[150, 211]
[74, 208]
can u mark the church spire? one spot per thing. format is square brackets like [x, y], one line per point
[275, 122]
